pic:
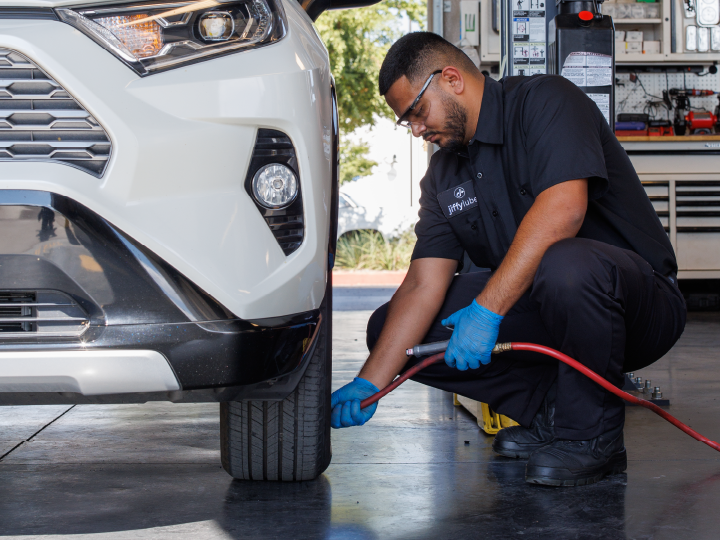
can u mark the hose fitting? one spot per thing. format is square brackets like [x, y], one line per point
[502, 347]
[439, 346]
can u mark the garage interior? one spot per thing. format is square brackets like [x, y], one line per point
[422, 469]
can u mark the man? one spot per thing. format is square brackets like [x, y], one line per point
[532, 184]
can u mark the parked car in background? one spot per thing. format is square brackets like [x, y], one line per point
[386, 220]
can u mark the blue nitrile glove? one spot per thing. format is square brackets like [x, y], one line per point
[474, 335]
[345, 404]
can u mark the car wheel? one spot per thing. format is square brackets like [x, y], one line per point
[286, 440]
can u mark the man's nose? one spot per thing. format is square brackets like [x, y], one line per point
[418, 129]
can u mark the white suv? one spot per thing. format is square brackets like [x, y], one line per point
[168, 200]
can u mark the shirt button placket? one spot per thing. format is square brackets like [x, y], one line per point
[479, 175]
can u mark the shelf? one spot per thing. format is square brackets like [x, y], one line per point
[637, 21]
[670, 138]
[639, 58]
[711, 56]
[676, 58]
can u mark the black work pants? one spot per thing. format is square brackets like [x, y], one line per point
[599, 304]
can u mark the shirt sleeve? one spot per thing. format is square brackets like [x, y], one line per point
[564, 132]
[435, 237]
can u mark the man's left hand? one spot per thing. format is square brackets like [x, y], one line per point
[474, 335]
[345, 404]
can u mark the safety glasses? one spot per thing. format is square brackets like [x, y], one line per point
[402, 121]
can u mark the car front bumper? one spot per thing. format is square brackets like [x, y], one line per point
[74, 286]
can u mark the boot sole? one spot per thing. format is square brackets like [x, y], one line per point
[514, 450]
[551, 476]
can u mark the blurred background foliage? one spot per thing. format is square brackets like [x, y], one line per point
[357, 41]
[368, 250]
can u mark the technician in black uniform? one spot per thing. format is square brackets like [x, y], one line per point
[532, 184]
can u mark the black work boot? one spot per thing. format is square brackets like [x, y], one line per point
[520, 442]
[578, 463]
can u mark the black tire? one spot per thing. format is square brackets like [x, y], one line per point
[286, 440]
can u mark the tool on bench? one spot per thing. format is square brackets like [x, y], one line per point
[631, 129]
[660, 128]
[440, 347]
[697, 122]
[701, 122]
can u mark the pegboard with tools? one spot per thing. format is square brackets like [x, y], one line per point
[644, 94]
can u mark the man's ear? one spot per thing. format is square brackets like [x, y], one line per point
[453, 78]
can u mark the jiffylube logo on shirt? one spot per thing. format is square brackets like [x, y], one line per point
[457, 200]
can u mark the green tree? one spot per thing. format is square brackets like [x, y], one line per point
[354, 161]
[357, 41]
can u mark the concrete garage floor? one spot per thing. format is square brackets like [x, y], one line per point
[152, 471]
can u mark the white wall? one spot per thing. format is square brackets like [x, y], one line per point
[394, 185]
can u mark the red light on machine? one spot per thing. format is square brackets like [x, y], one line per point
[586, 16]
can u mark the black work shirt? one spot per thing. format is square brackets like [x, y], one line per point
[533, 133]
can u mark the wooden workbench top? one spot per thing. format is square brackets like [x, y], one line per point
[684, 138]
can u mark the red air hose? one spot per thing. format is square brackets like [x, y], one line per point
[434, 359]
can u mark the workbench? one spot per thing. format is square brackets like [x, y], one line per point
[681, 175]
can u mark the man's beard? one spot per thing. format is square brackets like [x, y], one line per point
[455, 124]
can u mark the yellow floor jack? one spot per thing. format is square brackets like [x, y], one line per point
[488, 420]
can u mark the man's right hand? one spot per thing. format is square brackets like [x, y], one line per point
[474, 335]
[345, 404]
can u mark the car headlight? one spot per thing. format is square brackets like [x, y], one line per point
[275, 185]
[151, 37]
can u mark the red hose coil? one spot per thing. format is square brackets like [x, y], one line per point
[434, 359]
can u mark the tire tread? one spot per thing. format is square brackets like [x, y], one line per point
[285, 440]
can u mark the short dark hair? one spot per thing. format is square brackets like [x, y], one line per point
[417, 55]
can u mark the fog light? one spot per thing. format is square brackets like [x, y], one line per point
[275, 186]
[216, 26]
[140, 34]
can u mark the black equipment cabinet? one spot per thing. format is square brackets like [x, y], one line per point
[581, 48]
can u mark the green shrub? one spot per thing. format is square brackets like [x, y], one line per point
[368, 250]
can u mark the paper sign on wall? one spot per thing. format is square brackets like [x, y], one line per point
[469, 20]
[603, 103]
[588, 69]
[528, 28]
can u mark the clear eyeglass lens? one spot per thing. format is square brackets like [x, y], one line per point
[275, 185]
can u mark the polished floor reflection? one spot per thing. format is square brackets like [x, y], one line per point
[421, 469]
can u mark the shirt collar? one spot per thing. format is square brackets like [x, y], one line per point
[490, 122]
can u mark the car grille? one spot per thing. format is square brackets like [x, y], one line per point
[40, 121]
[40, 314]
